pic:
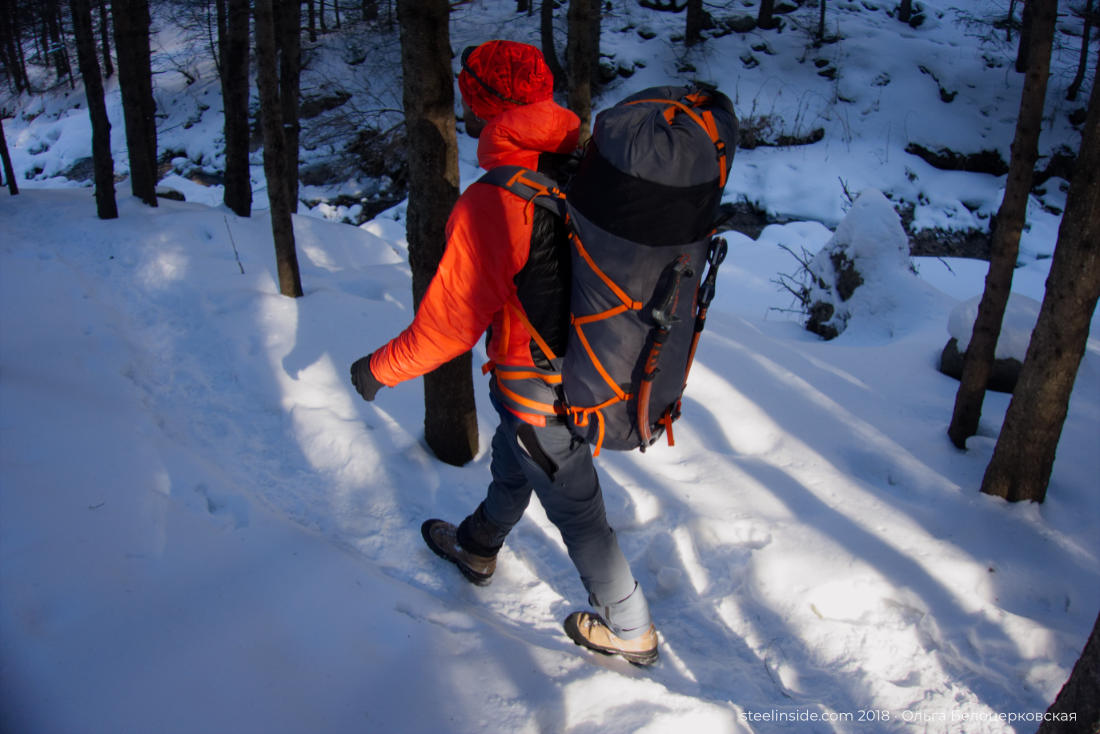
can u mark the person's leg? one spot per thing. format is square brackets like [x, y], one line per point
[506, 499]
[558, 465]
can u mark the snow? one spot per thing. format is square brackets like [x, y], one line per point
[203, 528]
[1021, 313]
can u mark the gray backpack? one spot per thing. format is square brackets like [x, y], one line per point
[640, 213]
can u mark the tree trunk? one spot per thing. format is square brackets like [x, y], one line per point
[288, 22]
[821, 22]
[275, 157]
[978, 360]
[104, 164]
[549, 51]
[135, 77]
[52, 18]
[582, 47]
[311, 12]
[1079, 695]
[233, 50]
[765, 19]
[105, 40]
[12, 51]
[1083, 58]
[1024, 49]
[693, 32]
[450, 416]
[9, 172]
[1024, 455]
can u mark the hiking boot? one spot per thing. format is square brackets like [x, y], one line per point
[588, 630]
[442, 537]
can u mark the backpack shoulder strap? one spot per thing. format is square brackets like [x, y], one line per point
[531, 186]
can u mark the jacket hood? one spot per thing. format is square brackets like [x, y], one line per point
[517, 136]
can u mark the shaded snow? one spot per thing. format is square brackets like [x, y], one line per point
[203, 528]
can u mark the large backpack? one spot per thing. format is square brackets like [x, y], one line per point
[640, 212]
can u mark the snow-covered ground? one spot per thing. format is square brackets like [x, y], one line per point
[203, 528]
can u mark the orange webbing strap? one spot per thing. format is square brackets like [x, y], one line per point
[619, 394]
[535, 405]
[539, 341]
[581, 416]
[619, 292]
[539, 189]
[705, 121]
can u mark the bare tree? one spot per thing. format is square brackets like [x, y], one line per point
[582, 49]
[549, 50]
[288, 22]
[11, 47]
[104, 164]
[135, 77]
[1083, 58]
[1024, 455]
[105, 40]
[233, 17]
[9, 172]
[978, 361]
[450, 417]
[276, 160]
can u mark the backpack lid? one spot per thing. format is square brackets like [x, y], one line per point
[648, 136]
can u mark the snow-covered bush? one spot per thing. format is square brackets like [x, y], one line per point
[869, 247]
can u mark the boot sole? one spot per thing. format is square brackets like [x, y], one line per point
[641, 659]
[478, 579]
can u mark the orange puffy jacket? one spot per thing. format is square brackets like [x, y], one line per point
[488, 243]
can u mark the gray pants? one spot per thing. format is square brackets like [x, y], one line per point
[557, 466]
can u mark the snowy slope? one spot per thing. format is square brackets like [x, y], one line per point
[203, 528]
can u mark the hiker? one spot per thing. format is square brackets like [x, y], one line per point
[505, 269]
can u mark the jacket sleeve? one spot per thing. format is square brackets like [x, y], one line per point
[472, 283]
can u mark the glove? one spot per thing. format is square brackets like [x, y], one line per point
[363, 379]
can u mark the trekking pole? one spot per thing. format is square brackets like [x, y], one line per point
[706, 294]
[664, 315]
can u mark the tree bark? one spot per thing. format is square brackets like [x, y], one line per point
[582, 47]
[275, 155]
[233, 50]
[9, 172]
[1079, 694]
[549, 50]
[104, 164]
[1024, 455]
[450, 416]
[135, 77]
[978, 360]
